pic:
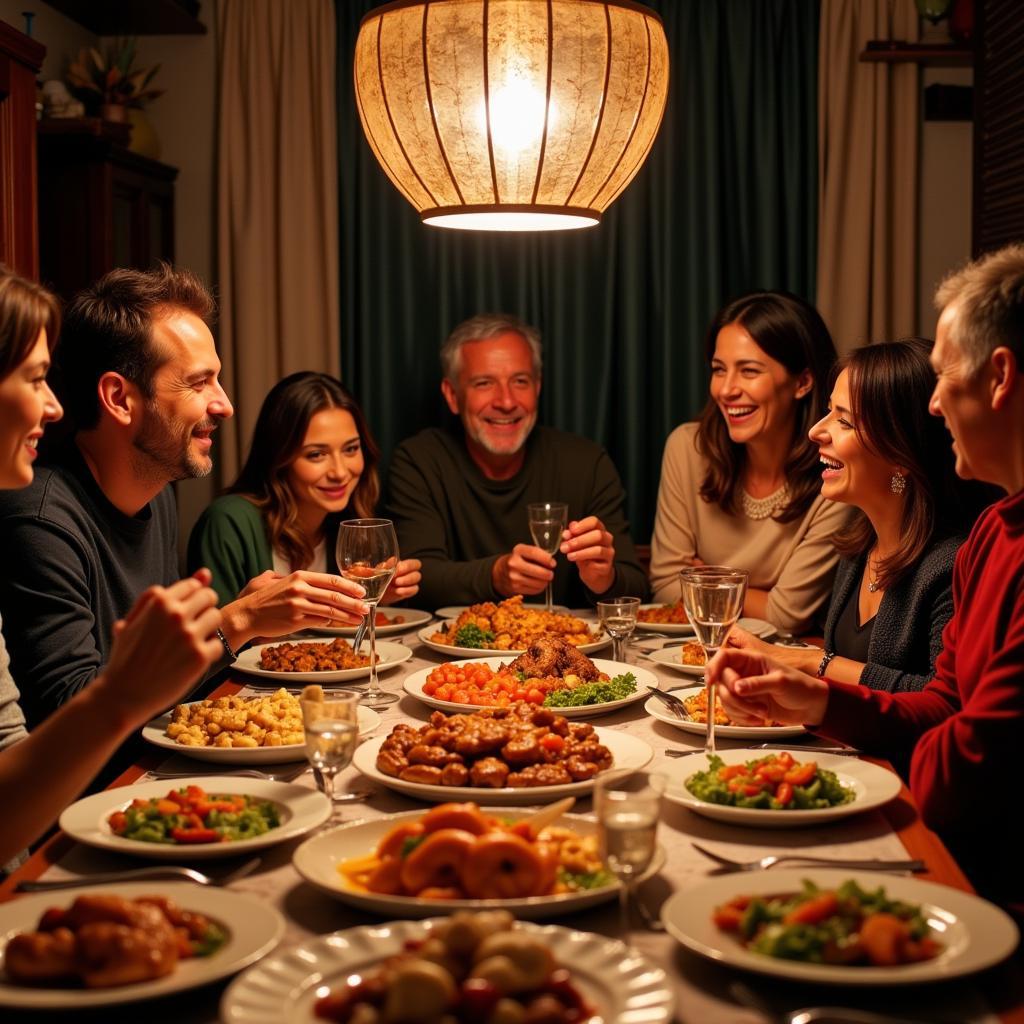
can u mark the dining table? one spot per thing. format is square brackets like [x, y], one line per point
[705, 992]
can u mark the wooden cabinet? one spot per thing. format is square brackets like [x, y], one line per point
[100, 206]
[20, 61]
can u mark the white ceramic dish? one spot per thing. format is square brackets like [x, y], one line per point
[254, 928]
[657, 710]
[317, 860]
[872, 786]
[669, 658]
[155, 732]
[413, 617]
[623, 985]
[627, 752]
[413, 685]
[471, 652]
[301, 809]
[453, 611]
[670, 628]
[975, 933]
[389, 653]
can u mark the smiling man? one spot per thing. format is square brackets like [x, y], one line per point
[458, 496]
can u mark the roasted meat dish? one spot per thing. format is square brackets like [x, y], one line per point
[552, 656]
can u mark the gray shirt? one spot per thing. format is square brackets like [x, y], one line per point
[12, 720]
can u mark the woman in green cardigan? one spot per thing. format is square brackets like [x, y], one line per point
[312, 463]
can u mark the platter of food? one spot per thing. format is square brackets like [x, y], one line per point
[509, 627]
[696, 700]
[192, 937]
[315, 661]
[664, 618]
[688, 658]
[389, 622]
[781, 789]
[522, 754]
[262, 729]
[453, 611]
[567, 975]
[201, 818]
[892, 930]
[496, 862]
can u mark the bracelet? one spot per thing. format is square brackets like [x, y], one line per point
[227, 647]
[829, 655]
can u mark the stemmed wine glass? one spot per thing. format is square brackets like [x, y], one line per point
[618, 617]
[331, 725]
[548, 520]
[367, 553]
[628, 806]
[713, 598]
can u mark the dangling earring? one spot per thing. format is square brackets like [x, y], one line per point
[898, 483]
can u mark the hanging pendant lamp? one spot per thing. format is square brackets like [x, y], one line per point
[511, 115]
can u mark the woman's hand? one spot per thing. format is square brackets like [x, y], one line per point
[405, 582]
[756, 689]
[805, 659]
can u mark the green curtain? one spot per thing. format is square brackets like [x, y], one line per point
[726, 203]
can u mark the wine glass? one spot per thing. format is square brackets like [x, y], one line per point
[367, 553]
[618, 618]
[331, 724]
[548, 520]
[628, 806]
[713, 598]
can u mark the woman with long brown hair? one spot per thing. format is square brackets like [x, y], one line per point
[312, 462]
[740, 486]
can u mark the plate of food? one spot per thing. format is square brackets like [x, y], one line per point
[522, 754]
[510, 627]
[781, 789]
[696, 700]
[409, 865]
[201, 818]
[262, 729]
[389, 622]
[453, 611]
[664, 618]
[192, 937]
[568, 681]
[316, 661]
[559, 975]
[687, 658]
[891, 930]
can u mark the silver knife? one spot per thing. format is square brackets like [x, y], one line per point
[799, 748]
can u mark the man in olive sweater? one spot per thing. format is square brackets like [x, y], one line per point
[458, 496]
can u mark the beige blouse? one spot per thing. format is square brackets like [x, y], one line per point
[794, 561]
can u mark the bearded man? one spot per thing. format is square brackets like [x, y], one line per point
[459, 496]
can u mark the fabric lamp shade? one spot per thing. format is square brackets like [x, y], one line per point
[511, 115]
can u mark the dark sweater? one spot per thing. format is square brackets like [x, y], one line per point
[74, 565]
[907, 634]
[458, 522]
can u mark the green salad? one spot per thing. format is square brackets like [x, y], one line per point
[601, 692]
[471, 635]
[776, 782]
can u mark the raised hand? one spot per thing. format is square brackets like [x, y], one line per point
[527, 570]
[406, 581]
[592, 548]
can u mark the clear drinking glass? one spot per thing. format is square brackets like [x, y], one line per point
[367, 553]
[713, 598]
[628, 806]
[618, 618]
[331, 723]
[548, 520]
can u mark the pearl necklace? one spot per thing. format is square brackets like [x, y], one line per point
[763, 508]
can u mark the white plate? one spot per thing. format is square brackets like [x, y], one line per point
[317, 860]
[624, 986]
[657, 710]
[453, 611]
[759, 627]
[872, 786]
[472, 652]
[389, 653]
[669, 657]
[155, 732]
[671, 628]
[301, 810]
[413, 617]
[975, 933]
[254, 928]
[627, 752]
[413, 685]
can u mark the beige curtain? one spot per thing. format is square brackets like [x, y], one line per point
[867, 166]
[277, 207]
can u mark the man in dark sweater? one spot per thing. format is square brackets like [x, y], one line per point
[97, 526]
[458, 496]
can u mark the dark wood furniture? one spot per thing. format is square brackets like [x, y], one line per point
[20, 61]
[134, 17]
[100, 206]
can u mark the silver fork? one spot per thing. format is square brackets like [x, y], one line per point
[727, 866]
[162, 871]
[284, 775]
[672, 702]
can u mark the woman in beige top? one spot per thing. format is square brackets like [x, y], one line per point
[740, 486]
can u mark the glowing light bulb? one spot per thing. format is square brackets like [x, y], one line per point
[517, 115]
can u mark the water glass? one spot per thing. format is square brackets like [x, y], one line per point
[618, 619]
[548, 520]
[331, 724]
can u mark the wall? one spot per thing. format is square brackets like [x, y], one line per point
[61, 36]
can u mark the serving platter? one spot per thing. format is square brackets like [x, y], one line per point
[425, 634]
[389, 654]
